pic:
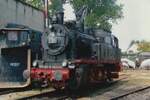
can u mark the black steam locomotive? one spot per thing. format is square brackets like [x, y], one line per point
[73, 56]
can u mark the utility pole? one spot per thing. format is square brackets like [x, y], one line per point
[59, 12]
[46, 21]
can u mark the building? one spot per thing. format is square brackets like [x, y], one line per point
[18, 12]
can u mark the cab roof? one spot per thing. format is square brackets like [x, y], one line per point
[13, 29]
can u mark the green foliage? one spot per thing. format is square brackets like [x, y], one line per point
[36, 3]
[56, 5]
[102, 12]
[144, 46]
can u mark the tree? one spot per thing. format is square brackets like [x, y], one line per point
[56, 4]
[144, 46]
[101, 13]
[36, 3]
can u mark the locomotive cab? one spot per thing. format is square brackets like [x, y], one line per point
[14, 58]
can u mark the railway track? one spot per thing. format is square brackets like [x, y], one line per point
[64, 94]
[15, 94]
[49, 93]
[37, 94]
[53, 95]
[8, 91]
[126, 86]
[131, 93]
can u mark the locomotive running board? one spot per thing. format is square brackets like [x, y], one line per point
[18, 84]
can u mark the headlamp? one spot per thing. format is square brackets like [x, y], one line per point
[64, 63]
[71, 66]
[35, 64]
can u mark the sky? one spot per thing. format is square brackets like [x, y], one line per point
[135, 25]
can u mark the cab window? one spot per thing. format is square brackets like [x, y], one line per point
[12, 36]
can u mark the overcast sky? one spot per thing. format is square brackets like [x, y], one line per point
[136, 22]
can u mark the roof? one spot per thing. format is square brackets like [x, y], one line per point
[133, 49]
[13, 29]
[18, 26]
[145, 53]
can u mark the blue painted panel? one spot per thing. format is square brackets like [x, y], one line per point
[13, 61]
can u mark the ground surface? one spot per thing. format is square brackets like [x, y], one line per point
[134, 80]
[129, 81]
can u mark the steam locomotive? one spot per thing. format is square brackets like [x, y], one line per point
[73, 57]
